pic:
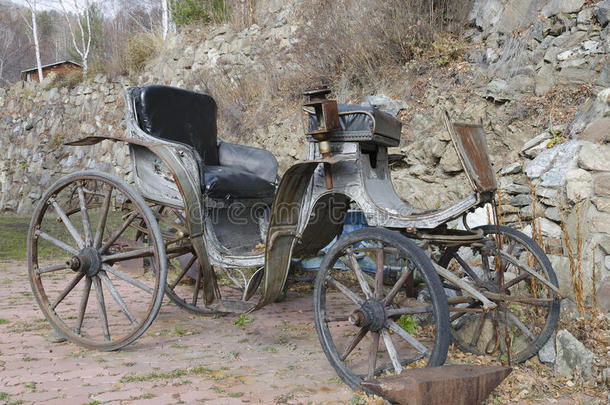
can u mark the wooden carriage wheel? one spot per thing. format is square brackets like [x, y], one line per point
[528, 308]
[379, 324]
[86, 266]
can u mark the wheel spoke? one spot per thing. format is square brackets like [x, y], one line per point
[101, 307]
[467, 269]
[401, 280]
[515, 280]
[85, 215]
[83, 306]
[49, 269]
[408, 360]
[345, 291]
[512, 318]
[183, 272]
[127, 278]
[485, 264]
[101, 225]
[117, 297]
[373, 352]
[68, 224]
[57, 242]
[479, 330]
[531, 272]
[407, 336]
[360, 275]
[379, 277]
[197, 286]
[67, 290]
[129, 255]
[462, 311]
[353, 343]
[387, 339]
[118, 233]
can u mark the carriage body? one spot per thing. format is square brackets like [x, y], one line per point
[203, 207]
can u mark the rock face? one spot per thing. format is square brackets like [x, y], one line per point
[555, 7]
[547, 353]
[573, 357]
[602, 12]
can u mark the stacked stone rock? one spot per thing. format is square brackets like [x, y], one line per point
[34, 124]
[557, 179]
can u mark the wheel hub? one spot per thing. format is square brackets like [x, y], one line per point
[88, 261]
[370, 315]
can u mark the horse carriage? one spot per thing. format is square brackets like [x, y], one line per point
[210, 224]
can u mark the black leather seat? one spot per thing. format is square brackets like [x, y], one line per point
[182, 116]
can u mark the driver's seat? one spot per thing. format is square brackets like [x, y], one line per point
[228, 170]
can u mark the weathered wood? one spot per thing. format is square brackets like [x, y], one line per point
[445, 385]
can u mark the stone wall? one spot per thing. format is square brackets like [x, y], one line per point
[34, 124]
[522, 55]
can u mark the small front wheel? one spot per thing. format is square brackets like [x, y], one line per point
[379, 307]
[85, 262]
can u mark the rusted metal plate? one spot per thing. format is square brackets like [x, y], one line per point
[471, 146]
[445, 385]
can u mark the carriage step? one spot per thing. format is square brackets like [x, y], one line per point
[445, 385]
[231, 306]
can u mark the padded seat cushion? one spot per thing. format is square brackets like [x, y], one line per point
[363, 124]
[251, 159]
[226, 182]
[179, 115]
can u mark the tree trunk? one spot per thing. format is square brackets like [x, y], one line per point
[165, 18]
[36, 45]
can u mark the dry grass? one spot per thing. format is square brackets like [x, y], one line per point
[576, 261]
[355, 44]
[252, 100]
[138, 50]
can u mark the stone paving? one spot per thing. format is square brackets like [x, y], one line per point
[276, 358]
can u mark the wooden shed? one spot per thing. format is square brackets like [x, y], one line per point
[61, 68]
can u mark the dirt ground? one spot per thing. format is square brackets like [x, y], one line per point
[275, 358]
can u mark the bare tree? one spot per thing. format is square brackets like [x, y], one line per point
[83, 20]
[166, 19]
[32, 4]
[7, 38]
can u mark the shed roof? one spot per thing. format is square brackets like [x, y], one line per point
[51, 65]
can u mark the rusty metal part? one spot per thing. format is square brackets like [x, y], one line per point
[327, 115]
[447, 237]
[471, 147]
[445, 385]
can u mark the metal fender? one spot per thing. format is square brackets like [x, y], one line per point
[283, 232]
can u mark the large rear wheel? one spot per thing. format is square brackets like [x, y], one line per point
[526, 296]
[86, 264]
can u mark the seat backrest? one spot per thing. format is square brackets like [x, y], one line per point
[179, 115]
